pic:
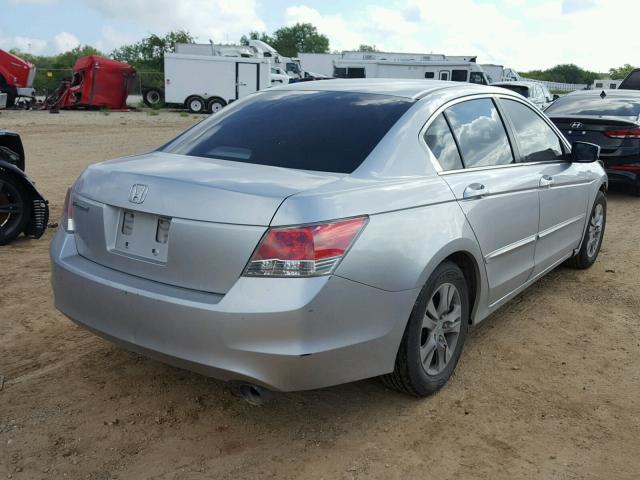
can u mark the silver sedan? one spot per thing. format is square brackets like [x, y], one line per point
[324, 232]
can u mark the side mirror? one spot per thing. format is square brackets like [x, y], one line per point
[583, 152]
[555, 97]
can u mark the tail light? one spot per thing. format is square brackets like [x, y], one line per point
[624, 133]
[629, 168]
[304, 251]
[67, 213]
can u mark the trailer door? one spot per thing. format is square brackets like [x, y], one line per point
[247, 79]
[444, 74]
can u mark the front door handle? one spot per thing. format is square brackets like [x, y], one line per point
[475, 190]
[546, 181]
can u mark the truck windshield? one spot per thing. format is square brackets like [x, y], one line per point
[308, 130]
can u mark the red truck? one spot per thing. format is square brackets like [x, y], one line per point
[16, 77]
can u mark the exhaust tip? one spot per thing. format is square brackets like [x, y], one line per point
[254, 395]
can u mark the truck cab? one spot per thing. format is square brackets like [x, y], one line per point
[16, 77]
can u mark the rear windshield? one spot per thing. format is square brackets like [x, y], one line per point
[632, 82]
[610, 106]
[308, 130]
[524, 91]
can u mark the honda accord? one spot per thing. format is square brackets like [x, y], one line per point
[324, 232]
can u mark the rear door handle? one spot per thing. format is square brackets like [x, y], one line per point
[546, 181]
[475, 190]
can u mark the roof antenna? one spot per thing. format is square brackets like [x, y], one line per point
[603, 94]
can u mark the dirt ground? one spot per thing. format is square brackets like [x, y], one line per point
[547, 388]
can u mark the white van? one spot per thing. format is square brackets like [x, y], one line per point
[440, 70]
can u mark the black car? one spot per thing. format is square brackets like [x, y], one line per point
[22, 207]
[610, 119]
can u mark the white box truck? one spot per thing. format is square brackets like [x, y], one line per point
[207, 83]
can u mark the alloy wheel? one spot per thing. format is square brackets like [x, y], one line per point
[440, 328]
[595, 230]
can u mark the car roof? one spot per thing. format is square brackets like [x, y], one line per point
[596, 92]
[399, 87]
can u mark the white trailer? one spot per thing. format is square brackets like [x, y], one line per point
[205, 83]
[439, 70]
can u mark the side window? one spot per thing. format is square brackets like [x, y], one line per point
[441, 143]
[480, 133]
[355, 72]
[537, 142]
[428, 75]
[459, 75]
[444, 75]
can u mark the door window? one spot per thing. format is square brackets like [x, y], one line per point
[537, 142]
[440, 141]
[481, 135]
[444, 75]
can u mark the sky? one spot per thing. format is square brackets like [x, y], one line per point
[522, 34]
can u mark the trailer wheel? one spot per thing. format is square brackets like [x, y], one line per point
[216, 104]
[196, 105]
[152, 97]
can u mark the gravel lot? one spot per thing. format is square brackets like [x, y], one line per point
[548, 388]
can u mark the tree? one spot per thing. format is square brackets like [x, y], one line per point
[620, 72]
[565, 73]
[148, 53]
[290, 41]
[244, 40]
[367, 48]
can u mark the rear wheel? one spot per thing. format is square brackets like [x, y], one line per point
[196, 105]
[152, 97]
[434, 336]
[593, 235]
[216, 104]
[15, 208]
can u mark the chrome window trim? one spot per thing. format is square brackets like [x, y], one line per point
[434, 161]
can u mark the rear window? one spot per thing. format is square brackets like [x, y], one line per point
[524, 91]
[307, 130]
[594, 105]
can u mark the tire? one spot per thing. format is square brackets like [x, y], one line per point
[196, 105]
[14, 222]
[215, 105]
[152, 97]
[423, 335]
[593, 235]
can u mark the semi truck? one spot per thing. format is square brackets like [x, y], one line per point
[16, 77]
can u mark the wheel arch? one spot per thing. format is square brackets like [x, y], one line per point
[466, 254]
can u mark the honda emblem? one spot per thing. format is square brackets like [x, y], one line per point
[138, 193]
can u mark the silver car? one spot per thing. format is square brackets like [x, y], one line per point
[536, 92]
[324, 232]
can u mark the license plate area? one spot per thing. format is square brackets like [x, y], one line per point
[143, 235]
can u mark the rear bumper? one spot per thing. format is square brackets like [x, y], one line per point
[284, 334]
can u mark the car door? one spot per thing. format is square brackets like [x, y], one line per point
[498, 196]
[563, 185]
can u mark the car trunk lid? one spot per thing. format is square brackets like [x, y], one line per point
[592, 129]
[186, 221]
